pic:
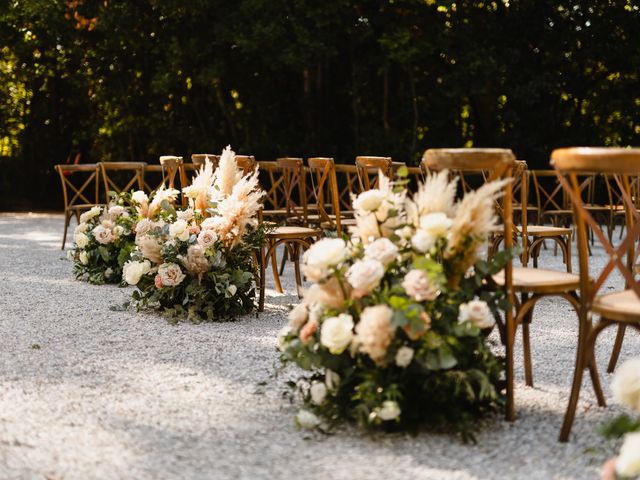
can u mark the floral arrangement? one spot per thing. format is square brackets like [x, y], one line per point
[626, 390]
[393, 329]
[103, 241]
[198, 262]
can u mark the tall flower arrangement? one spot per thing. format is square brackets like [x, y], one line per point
[103, 241]
[392, 330]
[197, 262]
[626, 390]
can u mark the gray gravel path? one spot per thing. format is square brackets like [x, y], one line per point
[91, 393]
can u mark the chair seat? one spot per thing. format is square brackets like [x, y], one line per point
[557, 212]
[281, 212]
[344, 222]
[539, 280]
[546, 231]
[294, 232]
[621, 306]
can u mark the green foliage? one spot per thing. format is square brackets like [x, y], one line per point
[620, 425]
[134, 80]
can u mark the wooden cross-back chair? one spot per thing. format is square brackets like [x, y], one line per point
[347, 177]
[369, 168]
[164, 174]
[500, 163]
[80, 191]
[294, 183]
[120, 177]
[620, 307]
[272, 183]
[616, 202]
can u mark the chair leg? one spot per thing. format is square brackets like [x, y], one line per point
[262, 273]
[274, 267]
[67, 221]
[510, 371]
[285, 257]
[615, 354]
[581, 364]
[526, 343]
[296, 264]
[568, 262]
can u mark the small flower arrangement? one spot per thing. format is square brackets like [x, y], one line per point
[103, 241]
[198, 262]
[626, 390]
[393, 329]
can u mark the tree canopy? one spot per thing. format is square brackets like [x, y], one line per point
[134, 80]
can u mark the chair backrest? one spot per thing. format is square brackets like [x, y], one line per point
[121, 176]
[272, 182]
[80, 184]
[295, 187]
[348, 184]
[198, 159]
[549, 194]
[325, 185]
[622, 165]
[247, 163]
[368, 168]
[156, 176]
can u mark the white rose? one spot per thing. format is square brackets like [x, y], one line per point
[374, 332]
[336, 333]
[405, 232]
[435, 224]
[628, 463]
[626, 384]
[118, 231]
[331, 379]
[383, 250]
[108, 272]
[132, 271]
[418, 286]
[368, 201]
[81, 240]
[144, 226]
[318, 392]
[328, 252]
[115, 211]
[70, 255]
[102, 235]
[476, 312]
[83, 257]
[207, 237]
[185, 214]
[282, 334]
[364, 276]
[140, 197]
[106, 223]
[404, 356]
[81, 228]
[298, 316]
[232, 289]
[306, 419]
[179, 230]
[390, 410]
[86, 216]
[422, 241]
[170, 274]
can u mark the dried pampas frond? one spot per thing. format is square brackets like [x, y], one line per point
[436, 195]
[227, 174]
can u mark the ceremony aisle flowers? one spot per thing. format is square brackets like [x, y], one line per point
[198, 262]
[393, 329]
[626, 390]
[103, 241]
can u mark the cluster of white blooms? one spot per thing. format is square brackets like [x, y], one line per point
[626, 390]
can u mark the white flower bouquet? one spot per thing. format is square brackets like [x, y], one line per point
[626, 390]
[198, 262]
[103, 241]
[393, 329]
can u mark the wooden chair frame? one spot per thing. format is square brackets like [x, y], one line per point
[72, 206]
[569, 163]
[325, 184]
[136, 178]
[367, 166]
[347, 188]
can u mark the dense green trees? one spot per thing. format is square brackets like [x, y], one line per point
[133, 80]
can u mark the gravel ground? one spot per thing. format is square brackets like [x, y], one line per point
[91, 393]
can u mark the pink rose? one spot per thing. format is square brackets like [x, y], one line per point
[158, 282]
[308, 330]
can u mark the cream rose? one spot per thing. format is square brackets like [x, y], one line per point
[374, 332]
[628, 463]
[140, 197]
[83, 257]
[404, 355]
[195, 261]
[306, 419]
[102, 235]
[318, 392]
[86, 216]
[207, 238]
[476, 312]
[115, 211]
[328, 294]
[626, 384]
[336, 333]
[364, 276]
[81, 228]
[298, 316]
[423, 241]
[144, 226]
[418, 286]
[132, 271]
[389, 410]
[383, 250]
[331, 379]
[81, 240]
[118, 231]
[368, 201]
[170, 274]
[328, 252]
[185, 214]
[179, 230]
[435, 224]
